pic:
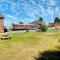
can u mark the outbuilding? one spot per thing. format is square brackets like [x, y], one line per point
[1, 24]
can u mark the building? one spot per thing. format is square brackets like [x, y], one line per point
[1, 24]
[51, 25]
[23, 26]
[54, 25]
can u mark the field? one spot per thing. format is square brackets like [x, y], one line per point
[27, 45]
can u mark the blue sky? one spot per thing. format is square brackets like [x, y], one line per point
[27, 11]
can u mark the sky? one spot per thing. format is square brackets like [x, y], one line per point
[26, 11]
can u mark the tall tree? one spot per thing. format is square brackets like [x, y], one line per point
[40, 19]
[21, 23]
[57, 20]
[42, 25]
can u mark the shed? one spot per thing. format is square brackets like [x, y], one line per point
[1, 23]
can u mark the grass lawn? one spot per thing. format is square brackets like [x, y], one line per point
[27, 45]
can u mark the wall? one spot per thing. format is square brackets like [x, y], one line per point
[1, 25]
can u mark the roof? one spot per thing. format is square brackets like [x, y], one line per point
[57, 24]
[36, 22]
[1, 16]
[51, 25]
[54, 24]
[23, 24]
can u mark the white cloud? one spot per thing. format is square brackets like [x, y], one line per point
[12, 17]
[51, 2]
[30, 8]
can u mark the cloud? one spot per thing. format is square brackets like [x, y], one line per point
[12, 17]
[29, 8]
[51, 3]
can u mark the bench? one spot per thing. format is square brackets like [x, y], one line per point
[4, 36]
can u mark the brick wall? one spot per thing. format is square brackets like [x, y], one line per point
[1, 25]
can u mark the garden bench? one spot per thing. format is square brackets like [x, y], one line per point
[4, 36]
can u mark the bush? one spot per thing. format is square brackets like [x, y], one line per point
[44, 28]
[38, 30]
[27, 30]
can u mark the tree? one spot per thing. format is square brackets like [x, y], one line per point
[42, 25]
[57, 20]
[40, 19]
[21, 23]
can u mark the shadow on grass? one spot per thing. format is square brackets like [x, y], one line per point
[49, 55]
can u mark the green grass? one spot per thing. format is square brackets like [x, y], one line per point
[28, 38]
[26, 45]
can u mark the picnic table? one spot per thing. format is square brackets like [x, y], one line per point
[4, 36]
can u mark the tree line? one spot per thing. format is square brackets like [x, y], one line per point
[42, 24]
[57, 20]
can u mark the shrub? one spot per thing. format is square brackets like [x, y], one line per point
[38, 30]
[44, 28]
[27, 30]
